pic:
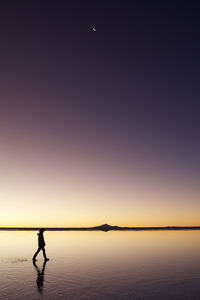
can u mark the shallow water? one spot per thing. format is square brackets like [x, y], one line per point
[99, 265]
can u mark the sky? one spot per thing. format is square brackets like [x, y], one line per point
[99, 126]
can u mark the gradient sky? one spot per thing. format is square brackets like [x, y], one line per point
[99, 127]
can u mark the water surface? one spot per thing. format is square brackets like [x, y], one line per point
[99, 265]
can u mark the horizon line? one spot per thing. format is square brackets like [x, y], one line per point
[104, 227]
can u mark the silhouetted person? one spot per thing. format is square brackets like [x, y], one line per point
[41, 245]
[40, 276]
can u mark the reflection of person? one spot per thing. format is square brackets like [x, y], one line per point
[41, 245]
[40, 276]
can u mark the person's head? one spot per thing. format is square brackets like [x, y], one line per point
[41, 230]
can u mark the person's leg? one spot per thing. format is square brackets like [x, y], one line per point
[44, 254]
[36, 253]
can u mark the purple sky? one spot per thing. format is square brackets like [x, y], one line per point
[121, 102]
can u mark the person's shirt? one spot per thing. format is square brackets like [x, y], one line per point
[41, 242]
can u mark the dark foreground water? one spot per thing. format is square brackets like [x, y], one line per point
[98, 265]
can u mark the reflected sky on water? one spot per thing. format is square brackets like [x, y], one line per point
[99, 265]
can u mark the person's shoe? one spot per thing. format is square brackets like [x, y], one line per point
[46, 259]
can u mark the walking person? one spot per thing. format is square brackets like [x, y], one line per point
[41, 245]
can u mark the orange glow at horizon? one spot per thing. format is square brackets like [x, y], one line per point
[42, 186]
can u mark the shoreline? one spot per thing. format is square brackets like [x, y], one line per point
[104, 227]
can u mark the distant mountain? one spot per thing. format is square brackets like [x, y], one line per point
[106, 227]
